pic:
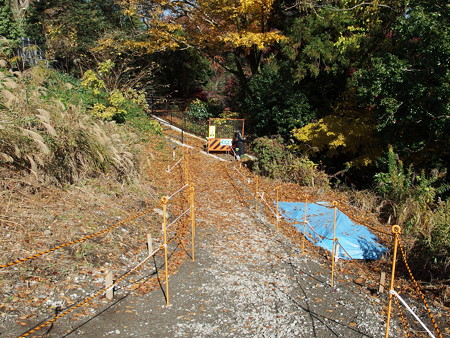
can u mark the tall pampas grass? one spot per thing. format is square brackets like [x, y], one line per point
[54, 142]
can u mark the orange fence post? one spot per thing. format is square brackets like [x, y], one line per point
[184, 166]
[396, 231]
[256, 194]
[333, 247]
[304, 227]
[164, 201]
[192, 222]
[278, 210]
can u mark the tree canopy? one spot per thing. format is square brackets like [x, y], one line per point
[346, 78]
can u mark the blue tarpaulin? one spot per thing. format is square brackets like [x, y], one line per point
[356, 240]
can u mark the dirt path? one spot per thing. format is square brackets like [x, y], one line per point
[247, 280]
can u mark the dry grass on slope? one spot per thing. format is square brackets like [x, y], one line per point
[65, 175]
[35, 217]
[54, 143]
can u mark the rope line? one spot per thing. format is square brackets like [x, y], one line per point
[416, 285]
[88, 299]
[402, 317]
[262, 197]
[122, 278]
[176, 192]
[312, 228]
[174, 201]
[411, 311]
[21, 260]
[320, 236]
[324, 237]
[327, 206]
[264, 200]
[174, 221]
[169, 170]
[251, 191]
[247, 179]
[360, 266]
[377, 230]
[362, 223]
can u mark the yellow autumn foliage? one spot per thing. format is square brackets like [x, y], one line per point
[348, 131]
[256, 6]
[261, 40]
[214, 24]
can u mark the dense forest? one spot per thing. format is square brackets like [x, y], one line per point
[350, 94]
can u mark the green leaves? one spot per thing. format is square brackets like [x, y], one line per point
[274, 160]
[312, 44]
[276, 112]
[9, 28]
[198, 109]
[410, 199]
[407, 83]
[70, 28]
[380, 85]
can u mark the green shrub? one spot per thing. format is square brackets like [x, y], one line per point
[429, 244]
[305, 172]
[272, 157]
[114, 100]
[199, 110]
[409, 197]
[274, 160]
[436, 238]
[412, 200]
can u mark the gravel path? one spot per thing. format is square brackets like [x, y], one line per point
[247, 280]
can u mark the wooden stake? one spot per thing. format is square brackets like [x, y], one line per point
[108, 282]
[382, 281]
[149, 244]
